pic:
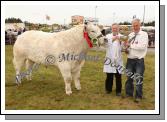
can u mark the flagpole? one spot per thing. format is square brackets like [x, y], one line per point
[95, 15]
[143, 15]
[46, 22]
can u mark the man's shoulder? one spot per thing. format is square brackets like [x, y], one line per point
[131, 34]
[140, 32]
[143, 32]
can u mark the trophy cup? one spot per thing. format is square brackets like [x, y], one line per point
[125, 40]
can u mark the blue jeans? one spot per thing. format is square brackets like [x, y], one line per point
[136, 67]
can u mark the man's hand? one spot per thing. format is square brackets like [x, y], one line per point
[127, 44]
[115, 38]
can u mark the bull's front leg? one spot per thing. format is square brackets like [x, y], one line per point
[65, 70]
[76, 77]
[68, 85]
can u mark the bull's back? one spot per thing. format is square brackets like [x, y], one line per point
[32, 37]
[32, 45]
[37, 44]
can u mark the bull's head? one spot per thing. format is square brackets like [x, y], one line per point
[95, 34]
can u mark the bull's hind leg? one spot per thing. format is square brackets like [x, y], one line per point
[29, 68]
[76, 77]
[18, 64]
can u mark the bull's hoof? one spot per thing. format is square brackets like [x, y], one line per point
[18, 80]
[28, 78]
[18, 85]
[68, 92]
[78, 88]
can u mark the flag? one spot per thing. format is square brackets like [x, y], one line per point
[47, 17]
[134, 16]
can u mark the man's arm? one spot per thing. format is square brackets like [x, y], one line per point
[142, 44]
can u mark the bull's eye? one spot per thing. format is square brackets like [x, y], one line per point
[93, 31]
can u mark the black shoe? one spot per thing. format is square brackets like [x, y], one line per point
[137, 100]
[108, 92]
[118, 94]
[129, 96]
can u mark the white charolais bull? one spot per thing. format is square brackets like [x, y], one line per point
[35, 46]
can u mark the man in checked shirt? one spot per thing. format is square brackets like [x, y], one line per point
[135, 62]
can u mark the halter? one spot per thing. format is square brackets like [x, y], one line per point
[89, 39]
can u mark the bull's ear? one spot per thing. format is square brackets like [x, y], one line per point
[85, 22]
[103, 32]
[85, 28]
[85, 25]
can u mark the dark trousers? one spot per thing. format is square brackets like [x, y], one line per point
[136, 68]
[109, 82]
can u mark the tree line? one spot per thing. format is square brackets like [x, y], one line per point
[145, 24]
[18, 20]
[13, 20]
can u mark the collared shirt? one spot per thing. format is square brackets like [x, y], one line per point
[113, 55]
[138, 46]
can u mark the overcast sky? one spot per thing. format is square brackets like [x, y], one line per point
[107, 14]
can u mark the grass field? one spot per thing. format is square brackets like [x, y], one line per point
[46, 90]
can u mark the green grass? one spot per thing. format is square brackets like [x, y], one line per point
[46, 90]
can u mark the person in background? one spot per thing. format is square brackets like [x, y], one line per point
[19, 31]
[24, 30]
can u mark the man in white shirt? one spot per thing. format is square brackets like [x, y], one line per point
[135, 62]
[113, 56]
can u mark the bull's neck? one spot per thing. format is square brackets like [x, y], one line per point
[81, 42]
